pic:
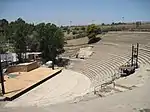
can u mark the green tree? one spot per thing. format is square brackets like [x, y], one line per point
[51, 41]
[112, 23]
[74, 32]
[138, 24]
[3, 33]
[19, 32]
[3, 27]
[76, 28]
[65, 28]
[24, 37]
[92, 31]
[83, 28]
[68, 31]
[33, 42]
[103, 24]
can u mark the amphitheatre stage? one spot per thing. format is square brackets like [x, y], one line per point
[63, 87]
[73, 88]
[18, 83]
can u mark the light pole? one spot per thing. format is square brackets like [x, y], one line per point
[70, 23]
[122, 19]
[2, 77]
[93, 21]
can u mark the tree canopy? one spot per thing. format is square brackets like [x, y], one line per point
[138, 23]
[51, 40]
[19, 32]
[24, 37]
[3, 34]
[92, 31]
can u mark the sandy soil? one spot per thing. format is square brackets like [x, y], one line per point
[25, 79]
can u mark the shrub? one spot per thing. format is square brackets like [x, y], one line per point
[94, 40]
[83, 28]
[74, 32]
[68, 31]
[76, 28]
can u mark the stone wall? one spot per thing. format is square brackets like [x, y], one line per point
[23, 67]
[85, 52]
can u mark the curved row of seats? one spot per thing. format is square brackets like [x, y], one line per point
[102, 70]
[107, 58]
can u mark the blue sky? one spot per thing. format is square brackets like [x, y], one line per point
[78, 11]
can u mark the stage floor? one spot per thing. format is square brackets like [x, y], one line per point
[19, 82]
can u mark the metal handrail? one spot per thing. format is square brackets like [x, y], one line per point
[106, 83]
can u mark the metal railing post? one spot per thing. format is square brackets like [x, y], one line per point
[2, 77]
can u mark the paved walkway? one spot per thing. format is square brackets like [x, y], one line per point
[63, 87]
[128, 101]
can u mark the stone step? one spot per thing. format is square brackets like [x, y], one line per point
[122, 87]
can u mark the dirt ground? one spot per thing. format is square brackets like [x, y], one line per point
[25, 79]
[77, 41]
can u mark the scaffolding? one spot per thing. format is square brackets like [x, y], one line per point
[124, 70]
[130, 66]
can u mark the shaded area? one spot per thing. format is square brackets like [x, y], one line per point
[94, 40]
[62, 62]
[145, 110]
